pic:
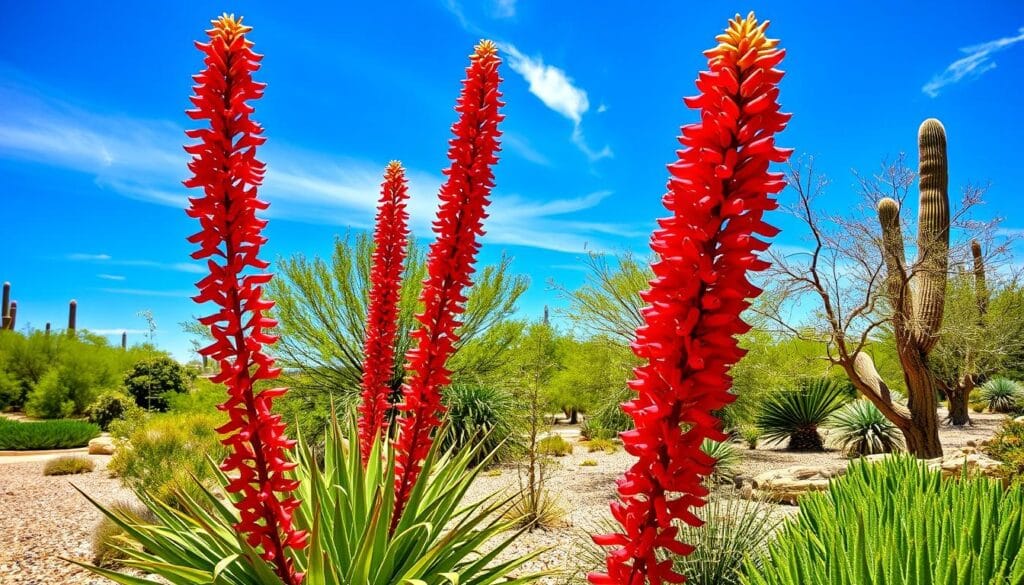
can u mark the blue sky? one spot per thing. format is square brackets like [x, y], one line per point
[91, 125]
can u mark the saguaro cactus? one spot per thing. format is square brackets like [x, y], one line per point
[72, 316]
[124, 340]
[13, 317]
[916, 294]
[47, 327]
[6, 307]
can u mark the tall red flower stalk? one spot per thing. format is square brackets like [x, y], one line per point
[225, 167]
[717, 193]
[464, 197]
[390, 238]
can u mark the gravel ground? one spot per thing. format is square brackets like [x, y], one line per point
[44, 518]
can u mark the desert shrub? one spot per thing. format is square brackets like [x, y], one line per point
[44, 435]
[24, 359]
[896, 521]
[108, 407]
[796, 414]
[68, 465]
[606, 445]
[11, 393]
[482, 415]
[546, 512]
[750, 435]
[166, 452]
[202, 397]
[588, 463]
[733, 529]
[1001, 394]
[1007, 446]
[861, 429]
[554, 446]
[608, 419]
[727, 458]
[979, 407]
[109, 539]
[149, 381]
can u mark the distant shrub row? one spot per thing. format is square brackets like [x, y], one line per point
[50, 434]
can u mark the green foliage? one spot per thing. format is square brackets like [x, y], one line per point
[608, 420]
[554, 446]
[750, 435]
[861, 429]
[796, 415]
[898, 522]
[45, 435]
[606, 445]
[608, 304]
[482, 415]
[202, 397]
[109, 539]
[10, 392]
[727, 459]
[1001, 394]
[150, 381]
[1007, 446]
[588, 463]
[321, 306]
[347, 510]
[108, 407]
[68, 465]
[590, 371]
[167, 451]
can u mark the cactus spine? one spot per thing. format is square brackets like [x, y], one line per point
[72, 316]
[5, 308]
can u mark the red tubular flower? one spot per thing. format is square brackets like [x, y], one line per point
[449, 263]
[390, 238]
[717, 193]
[224, 166]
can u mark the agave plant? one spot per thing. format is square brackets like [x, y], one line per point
[482, 415]
[796, 415]
[726, 457]
[1001, 394]
[896, 521]
[346, 509]
[861, 429]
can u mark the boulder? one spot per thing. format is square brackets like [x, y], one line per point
[786, 485]
[953, 464]
[103, 445]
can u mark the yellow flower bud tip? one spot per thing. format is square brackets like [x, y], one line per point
[228, 26]
[485, 48]
[394, 166]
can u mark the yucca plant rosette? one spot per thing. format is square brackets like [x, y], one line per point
[346, 508]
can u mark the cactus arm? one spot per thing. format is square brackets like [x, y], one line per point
[932, 233]
[980, 285]
[895, 264]
[877, 390]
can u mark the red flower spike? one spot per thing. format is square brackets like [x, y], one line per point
[450, 260]
[718, 191]
[390, 238]
[224, 166]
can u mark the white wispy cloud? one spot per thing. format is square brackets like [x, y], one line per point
[978, 61]
[142, 159]
[556, 90]
[142, 292]
[504, 8]
[522, 147]
[110, 276]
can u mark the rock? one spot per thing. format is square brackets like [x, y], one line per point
[953, 463]
[786, 485]
[103, 445]
[1019, 419]
[740, 480]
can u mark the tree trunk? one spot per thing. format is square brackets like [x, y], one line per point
[574, 416]
[957, 399]
[922, 432]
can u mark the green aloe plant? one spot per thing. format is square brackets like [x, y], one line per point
[897, 522]
[440, 539]
[796, 415]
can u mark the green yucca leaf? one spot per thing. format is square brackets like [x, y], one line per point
[795, 415]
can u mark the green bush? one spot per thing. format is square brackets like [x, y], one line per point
[68, 465]
[554, 445]
[608, 420]
[861, 429]
[898, 522]
[606, 445]
[203, 397]
[167, 450]
[150, 381]
[727, 459]
[108, 407]
[45, 435]
[481, 414]
[1007, 446]
[109, 538]
[750, 435]
[1001, 394]
[796, 415]
[11, 394]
